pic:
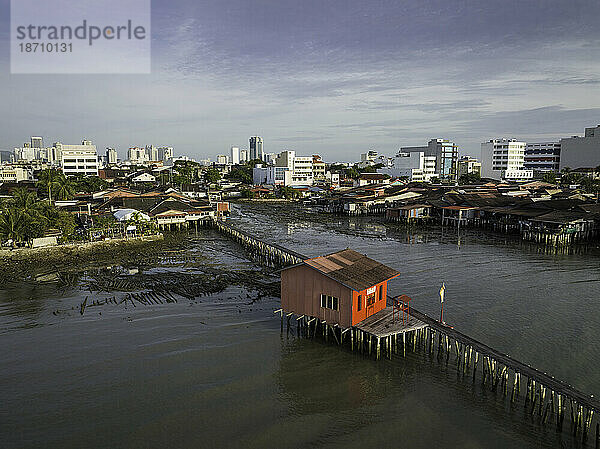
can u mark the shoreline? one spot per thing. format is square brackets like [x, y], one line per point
[66, 247]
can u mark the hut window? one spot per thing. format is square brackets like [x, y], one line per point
[330, 302]
[359, 303]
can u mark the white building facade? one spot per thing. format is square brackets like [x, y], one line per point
[504, 159]
[78, 159]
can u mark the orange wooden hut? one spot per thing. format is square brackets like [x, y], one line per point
[342, 288]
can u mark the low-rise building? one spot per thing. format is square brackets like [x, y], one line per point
[10, 173]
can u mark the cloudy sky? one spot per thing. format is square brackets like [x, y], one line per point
[327, 76]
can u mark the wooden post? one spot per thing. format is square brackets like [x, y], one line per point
[404, 344]
[352, 339]
[378, 348]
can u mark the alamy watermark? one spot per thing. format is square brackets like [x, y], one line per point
[80, 36]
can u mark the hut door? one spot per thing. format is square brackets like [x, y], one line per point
[370, 304]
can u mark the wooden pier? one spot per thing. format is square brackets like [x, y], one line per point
[380, 334]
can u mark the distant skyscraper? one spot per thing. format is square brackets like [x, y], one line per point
[243, 155]
[152, 152]
[36, 142]
[256, 148]
[111, 156]
[235, 155]
[165, 154]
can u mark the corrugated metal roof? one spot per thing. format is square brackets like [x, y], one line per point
[352, 269]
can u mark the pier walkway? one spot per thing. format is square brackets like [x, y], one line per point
[544, 395]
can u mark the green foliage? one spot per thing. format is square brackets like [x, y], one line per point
[549, 177]
[288, 192]
[254, 162]
[469, 178]
[89, 184]
[247, 193]
[25, 217]
[241, 174]
[212, 176]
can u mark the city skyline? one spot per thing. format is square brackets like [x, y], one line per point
[323, 79]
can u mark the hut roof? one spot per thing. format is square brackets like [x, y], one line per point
[352, 269]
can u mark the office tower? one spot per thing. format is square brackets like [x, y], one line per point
[256, 148]
[235, 155]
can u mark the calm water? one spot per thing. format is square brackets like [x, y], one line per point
[215, 371]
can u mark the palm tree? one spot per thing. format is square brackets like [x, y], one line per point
[49, 179]
[12, 225]
[65, 188]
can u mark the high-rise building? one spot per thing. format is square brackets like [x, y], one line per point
[137, 155]
[542, 156]
[111, 156]
[256, 148]
[152, 153]
[36, 142]
[445, 153]
[243, 156]
[165, 154]
[504, 159]
[78, 159]
[235, 155]
[579, 152]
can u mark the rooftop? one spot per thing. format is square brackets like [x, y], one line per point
[352, 269]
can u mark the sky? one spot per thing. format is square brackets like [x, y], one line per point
[328, 77]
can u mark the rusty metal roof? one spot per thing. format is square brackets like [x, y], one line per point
[352, 269]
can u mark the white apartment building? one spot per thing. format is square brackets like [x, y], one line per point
[222, 159]
[137, 155]
[289, 170]
[78, 159]
[243, 156]
[235, 155]
[416, 165]
[504, 159]
[9, 173]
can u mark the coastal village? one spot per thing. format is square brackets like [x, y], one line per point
[153, 191]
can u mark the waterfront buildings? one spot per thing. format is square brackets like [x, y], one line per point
[445, 153]
[414, 165]
[504, 159]
[256, 148]
[542, 156]
[341, 288]
[581, 151]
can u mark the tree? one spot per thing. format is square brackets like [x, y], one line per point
[12, 225]
[212, 176]
[288, 192]
[549, 177]
[48, 180]
[65, 189]
[469, 178]
[242, 174]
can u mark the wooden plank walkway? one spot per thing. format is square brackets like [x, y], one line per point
[547, 380]
[382, 324]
